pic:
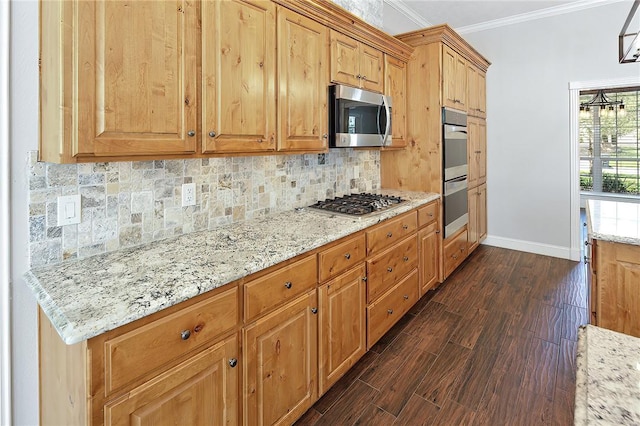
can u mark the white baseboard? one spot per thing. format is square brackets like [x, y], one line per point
[531, 247]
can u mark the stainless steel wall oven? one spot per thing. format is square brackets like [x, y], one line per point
[455, 167]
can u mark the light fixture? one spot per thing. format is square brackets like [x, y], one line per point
[607, 106]
[629, 42]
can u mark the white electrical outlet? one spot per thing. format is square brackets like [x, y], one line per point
[188, 194]
[69, 210]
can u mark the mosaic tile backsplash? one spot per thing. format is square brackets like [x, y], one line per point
[130, 203]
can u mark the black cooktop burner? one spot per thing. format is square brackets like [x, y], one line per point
[358, 204]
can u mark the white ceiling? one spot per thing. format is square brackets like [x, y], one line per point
[471, 15]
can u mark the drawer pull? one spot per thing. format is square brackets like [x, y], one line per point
[405, 226]
[288, 284]
[455, 256]
[438, 231]
[233, 362]
[347, 256]
[405, 258]
[314, 310]
[406, 297]
[389, 311]
[430, 214]
[185, 334]
[389, 235]
[389, 269]
[364, 279]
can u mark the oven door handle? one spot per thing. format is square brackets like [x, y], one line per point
[387, 110]
[455, 185]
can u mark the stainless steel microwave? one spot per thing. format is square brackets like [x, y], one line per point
[358, 118]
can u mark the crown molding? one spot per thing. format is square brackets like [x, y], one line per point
[407, 11]
[538, 14]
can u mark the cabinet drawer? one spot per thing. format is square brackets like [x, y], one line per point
[341, 257]
[391, 231]
[144, 349]
[455, 251]
[383, 314]
[427, 214]
[384, 270]
[265, 293]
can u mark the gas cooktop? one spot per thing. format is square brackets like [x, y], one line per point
[358, 204]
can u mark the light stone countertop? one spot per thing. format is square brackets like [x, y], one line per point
[607, 378]
[614, 221]
[84, 298]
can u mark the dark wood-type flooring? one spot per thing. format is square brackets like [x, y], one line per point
[494, 345]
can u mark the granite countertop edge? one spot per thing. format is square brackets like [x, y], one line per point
[86, 297]
[597, 219]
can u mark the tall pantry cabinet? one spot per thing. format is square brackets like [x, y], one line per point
[444, 70]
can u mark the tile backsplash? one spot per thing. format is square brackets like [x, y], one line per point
[130, 203]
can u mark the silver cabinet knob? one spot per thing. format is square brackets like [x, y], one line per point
[389, 269]
[288, 284]
[233, 362]
[389, 235]
[212, 134]
[347, 256]
[185, 334]
[364, 77]
[314, 310]
[358, 76]
[364, 279]
[191, 133]
[406, 297]
[389, 311]
[325, 136]
[405, 226]
[406, 258]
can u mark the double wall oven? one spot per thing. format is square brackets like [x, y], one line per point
[455, 167]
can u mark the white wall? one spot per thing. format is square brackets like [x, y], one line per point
[23, 138]
[528, 175]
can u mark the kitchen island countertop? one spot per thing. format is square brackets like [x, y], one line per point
[86, 297]
[607, 378]
[614, 221]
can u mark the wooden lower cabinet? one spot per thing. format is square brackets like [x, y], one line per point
[280, 363]
[429, 247]
[616, 284]
[342, 319]
[201, 391]
[455, 251]
[477, 227]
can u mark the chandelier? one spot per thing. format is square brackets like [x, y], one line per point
[601, 102]
[629, 42]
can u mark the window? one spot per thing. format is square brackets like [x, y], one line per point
[609, 144]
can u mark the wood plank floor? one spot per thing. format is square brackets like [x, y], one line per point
[494, 345]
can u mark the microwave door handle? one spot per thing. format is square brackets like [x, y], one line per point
[387, 129]
[378, 119]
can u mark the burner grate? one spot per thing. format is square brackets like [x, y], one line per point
[358, 204]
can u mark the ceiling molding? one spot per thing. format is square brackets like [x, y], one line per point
[538, 14]
[414, 16]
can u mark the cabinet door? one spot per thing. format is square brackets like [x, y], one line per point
[472, 90]
[202, 391]
[238, 76]
[482, 212]
[472, 226]
[136, 78]
[482, 94]
[302, 83]
[281, 363]
[371, 64]
[345, 59]
[461, 83]
[449, 63]
[429, 255]
[481, 157]
[473, 143]
[396, 87]
[343, 329]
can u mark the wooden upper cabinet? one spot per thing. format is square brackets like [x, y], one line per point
[302, 83]
[356, 64]
[136, 78]
[454, 79]
[476, 91]
[396, 87]
[238, 76]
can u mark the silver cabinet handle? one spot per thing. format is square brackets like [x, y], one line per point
[389, 269]
[288, 284]
[314, 310]
[233, 362]
[191, 133]
[364, 279]
[358, 76]
[389, 235]
[347, 256]
[405, 226]
[325, 136]
[406, 297]
[185, 334]
[364, 77]
[389, 311]
[212, 134]
[405, 258]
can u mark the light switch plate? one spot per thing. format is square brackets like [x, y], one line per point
[69, 210]
[188, 194]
